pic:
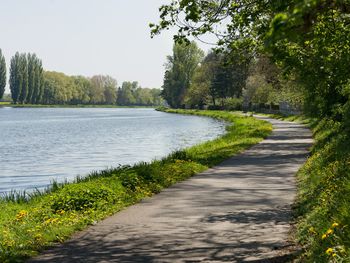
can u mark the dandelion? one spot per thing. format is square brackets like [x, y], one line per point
[324, 236]
[21, 214]
[329, 251]
[50, 221]
[38, 237]
[312, 230]
[329, 232]
[335, 225]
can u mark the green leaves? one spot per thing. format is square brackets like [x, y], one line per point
[180, 69]
[2, 74]
[26, 78]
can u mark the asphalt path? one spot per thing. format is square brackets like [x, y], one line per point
[238, 211]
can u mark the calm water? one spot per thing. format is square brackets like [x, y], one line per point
[45, 144]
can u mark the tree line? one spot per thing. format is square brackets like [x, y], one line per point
[26, 78]
[99, 89]
[31, 84]
[218, 80]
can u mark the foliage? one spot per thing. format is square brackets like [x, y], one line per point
[97, 90]
[30, 84]
[180, 69]
[323, 204]
[131, 94]
[2, 75]
[213, 80]
[77, 197]
[29, 225]
[307, 39]
[200, 91]
[26, 78]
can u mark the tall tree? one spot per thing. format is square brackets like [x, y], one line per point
[97, 95]
[15, 85]
[38, 82]
[201, 91]
[126, 93]
[2, 74]
[23, 77]
[110, 90]
[180, 68]
[31, 67]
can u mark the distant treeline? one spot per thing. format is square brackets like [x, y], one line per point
[226, 80]
[30, 84]
[100, 89]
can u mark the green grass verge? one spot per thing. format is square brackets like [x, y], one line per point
[322, 208]
[28, 226]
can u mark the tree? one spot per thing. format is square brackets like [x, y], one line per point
[35, 79]
[126, 93]
[97, 90]
[2, 74]
[180, 68]
[110, 90]
[38, 88]
[15, 85]
[56, 88]
[23, 77]
[200, 90]
[82, 90]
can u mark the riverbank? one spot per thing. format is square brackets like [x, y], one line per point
[9, 104]
[322, 208]
[28, 226]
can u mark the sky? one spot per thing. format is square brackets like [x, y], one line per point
[89, 37]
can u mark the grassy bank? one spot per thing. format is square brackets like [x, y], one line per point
[28, 226]
[322, 209]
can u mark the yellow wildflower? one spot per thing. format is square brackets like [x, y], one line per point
[329, 231]
[312, 230]
[50, 221]
[324, 236]
[335, 225]
[329, 251]
[21, 214]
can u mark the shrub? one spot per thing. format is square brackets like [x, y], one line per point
[81, 196]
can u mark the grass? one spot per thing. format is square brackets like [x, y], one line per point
[322, 209]
[28, 225]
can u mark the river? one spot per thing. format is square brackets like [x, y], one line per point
[39, 145]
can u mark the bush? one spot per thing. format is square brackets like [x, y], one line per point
[81, 196]
[232, 104]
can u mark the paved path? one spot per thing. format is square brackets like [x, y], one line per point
[238, 211]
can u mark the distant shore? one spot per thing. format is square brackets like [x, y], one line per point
[9, 104]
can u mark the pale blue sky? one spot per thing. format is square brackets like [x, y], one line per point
[88, 37]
